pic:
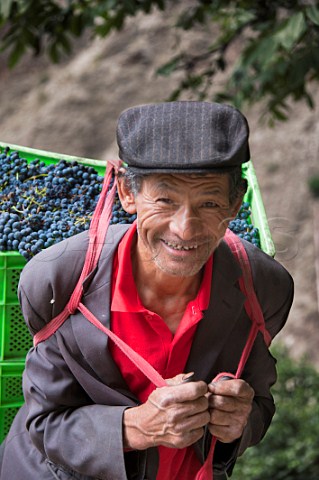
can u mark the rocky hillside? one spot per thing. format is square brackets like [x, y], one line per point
[72, 108]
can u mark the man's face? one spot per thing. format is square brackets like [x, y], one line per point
[181, 219]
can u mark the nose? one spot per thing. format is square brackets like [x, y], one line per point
[185, 224]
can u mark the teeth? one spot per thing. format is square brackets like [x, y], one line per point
[180, 247]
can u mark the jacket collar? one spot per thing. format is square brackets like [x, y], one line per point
[221, 316]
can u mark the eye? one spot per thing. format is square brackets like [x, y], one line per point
[210, 205]
[164, 200]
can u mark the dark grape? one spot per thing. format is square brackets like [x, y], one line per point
[242, 226]
[43, 204]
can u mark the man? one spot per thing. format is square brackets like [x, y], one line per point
[167, 286]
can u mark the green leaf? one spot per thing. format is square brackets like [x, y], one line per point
[65, 43]
[175, 95]
[279, 114]
[146, 6]
[169, 67]
[118, 20]
[54, 53]
[192, 82]
[76, 25]
[312, 13]
[129, 7]
[294, 431]
[291, 32]
[24, 5]
[313, 183]
[5, 8]
[261, 51]
[16, 54]
[185, 20]
[104, 29]
[161, 4]
[309, 100]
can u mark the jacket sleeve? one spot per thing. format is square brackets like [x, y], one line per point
[260, 371]
[65, 421]
[64, 424]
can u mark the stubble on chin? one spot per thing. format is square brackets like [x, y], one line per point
[181, 267]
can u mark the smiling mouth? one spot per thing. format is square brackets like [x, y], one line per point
[179, 247]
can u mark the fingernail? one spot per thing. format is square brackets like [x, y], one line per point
[188, 377]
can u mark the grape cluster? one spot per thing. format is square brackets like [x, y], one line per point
[41, 204]
[243, 228]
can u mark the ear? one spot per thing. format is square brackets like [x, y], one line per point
[234, 209]
[126, 196]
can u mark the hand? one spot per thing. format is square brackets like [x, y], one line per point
[173, 416]
[230, 403]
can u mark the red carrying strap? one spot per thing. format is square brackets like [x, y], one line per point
[144, 366]
[254, 312]
[97, 233]
[246, 285]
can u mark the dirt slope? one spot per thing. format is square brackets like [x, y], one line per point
[73, 107]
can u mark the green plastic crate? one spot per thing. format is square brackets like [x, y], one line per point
[11, 394]
[49, 157]
[11, 264]
[11, 383]
[258, 213]
[7, 415]
[15, 340]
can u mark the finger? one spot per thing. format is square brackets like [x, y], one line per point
[180, 378]
[226, 404]
[222, 418]
[177, 412]
[194, 407]
[183, 392]
[231, 422]
[233, 388]
[230, 406]
[182, 440]
[225, 434]
[186, 424]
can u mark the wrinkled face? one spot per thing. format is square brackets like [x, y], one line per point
[180, 219]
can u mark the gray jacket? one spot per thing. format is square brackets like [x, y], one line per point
[71, 424]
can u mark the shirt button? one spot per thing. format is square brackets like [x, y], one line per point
[194, 311]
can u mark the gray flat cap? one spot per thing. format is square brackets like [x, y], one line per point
[183, 137]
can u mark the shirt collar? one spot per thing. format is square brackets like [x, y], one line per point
[125, 297]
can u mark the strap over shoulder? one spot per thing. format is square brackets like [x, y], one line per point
[97, 233]
[246, 284]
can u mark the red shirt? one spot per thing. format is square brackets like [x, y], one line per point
[147, 333]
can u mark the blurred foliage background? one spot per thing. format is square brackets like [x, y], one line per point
[289, 450]
[279, 54]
